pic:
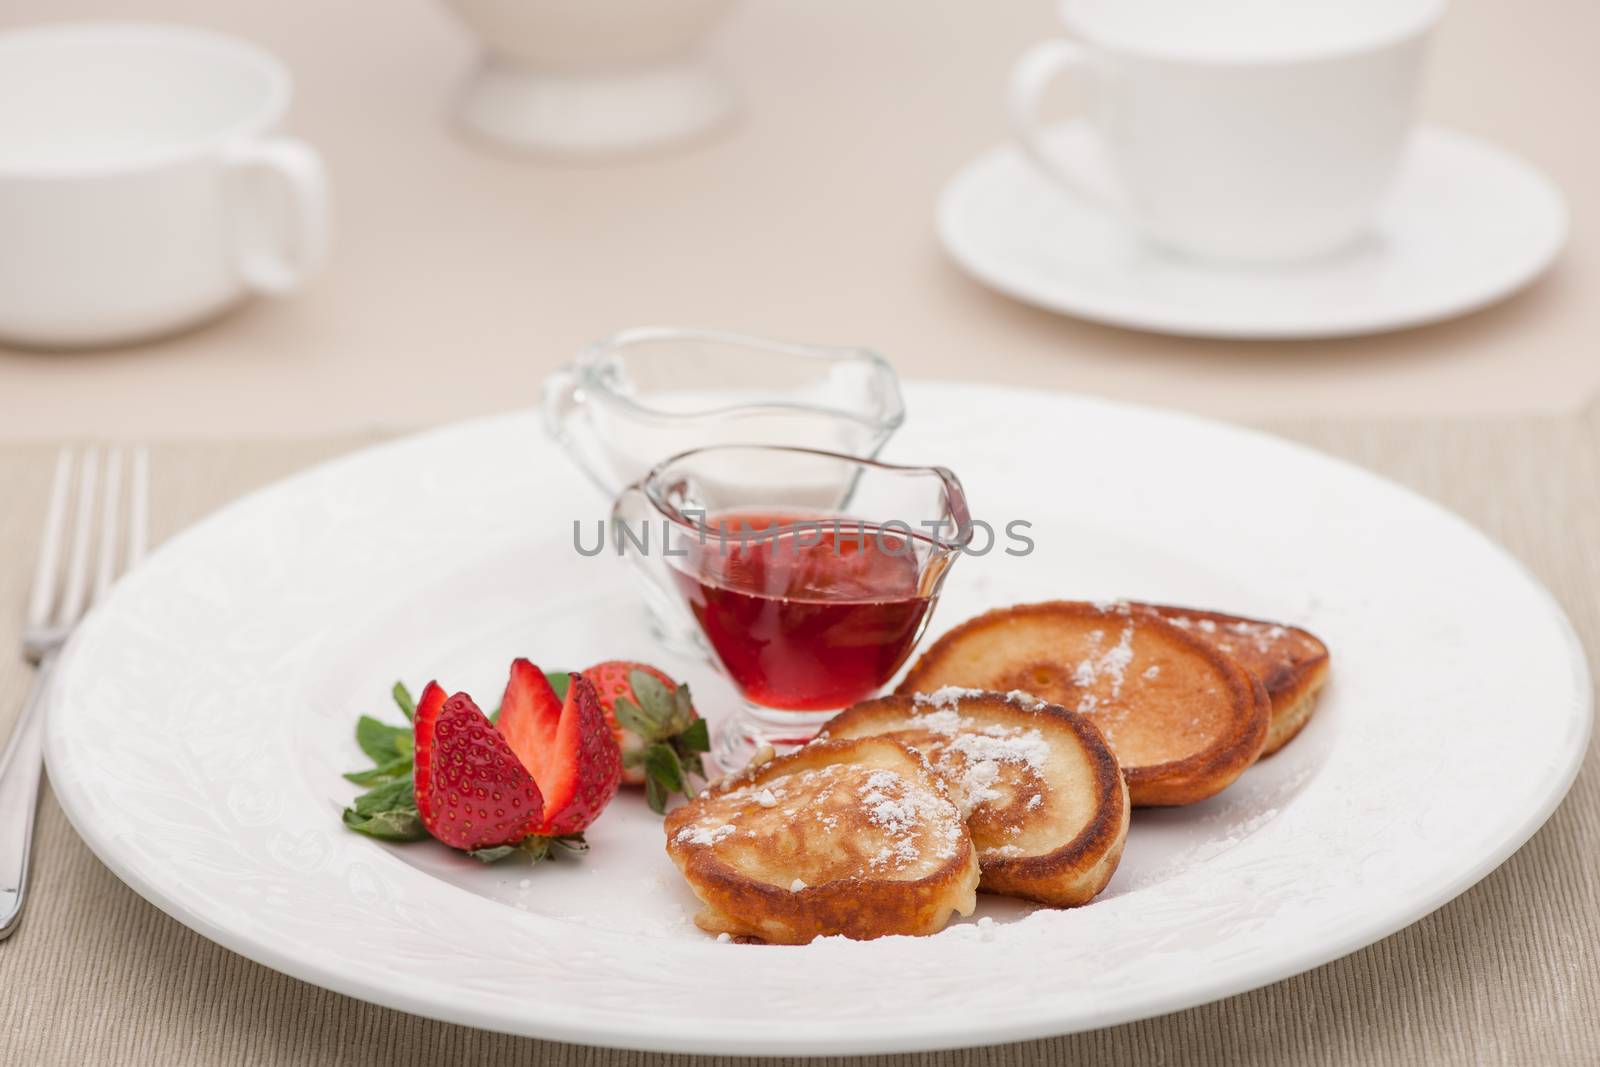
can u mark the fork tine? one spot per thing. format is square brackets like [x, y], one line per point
[105, 570]
[44, 579]
[77, 583]
[139, 507]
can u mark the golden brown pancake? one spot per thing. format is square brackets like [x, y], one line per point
[1291, 663]
[1044, 800]
[858, 838]
[1183, 719]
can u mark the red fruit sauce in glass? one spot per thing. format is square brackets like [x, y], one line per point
[810, 621]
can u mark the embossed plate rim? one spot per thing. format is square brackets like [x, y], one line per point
[1152, 946]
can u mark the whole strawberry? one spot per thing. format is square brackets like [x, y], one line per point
[656, 727]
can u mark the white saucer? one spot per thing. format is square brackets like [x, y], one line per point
[1466, 224]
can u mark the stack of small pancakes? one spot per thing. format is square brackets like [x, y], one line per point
[1006, 761]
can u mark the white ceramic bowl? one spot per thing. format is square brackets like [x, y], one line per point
[592, 77]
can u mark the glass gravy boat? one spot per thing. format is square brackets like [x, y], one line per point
[810, 575]
[632, 400]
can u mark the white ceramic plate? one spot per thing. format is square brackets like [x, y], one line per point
[1466, 224]
[204, 713]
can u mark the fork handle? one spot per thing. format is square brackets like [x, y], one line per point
[19, 799]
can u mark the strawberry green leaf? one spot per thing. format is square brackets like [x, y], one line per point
[534, 846]
[682, 717]
[661, 763]
[380, 741]
[631, 716]
[571, 842]
[392, 796]
[664, 775]
[696, 737]
[655, 701]
[388, 813]
[559, 680]
[489, 855]
[402, 697]
[384, 773]
[387, 825]
[655, 796]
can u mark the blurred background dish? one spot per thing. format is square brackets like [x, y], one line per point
[1465, 224]
[142, 189]
[592, 77]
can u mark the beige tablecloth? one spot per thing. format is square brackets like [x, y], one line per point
[1507, 973]
[458, 278]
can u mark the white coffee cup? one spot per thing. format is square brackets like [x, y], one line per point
[1251, 130]
[141, 189]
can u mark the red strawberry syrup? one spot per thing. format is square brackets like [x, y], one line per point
[809, 620]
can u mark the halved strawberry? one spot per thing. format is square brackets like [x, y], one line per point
[423, 721]
[565, 745]
[472, 792]
[653, 719]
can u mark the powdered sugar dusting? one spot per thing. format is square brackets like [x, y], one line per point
[945, 721]
[896, 815]
[1262, 636]
[977, 784]
[903, 810]
[1110, 664]
[945, 715]
[971, 757]
[984, 752]
[1015, 746]
[705, 835]
[948, 696]
[915, 821]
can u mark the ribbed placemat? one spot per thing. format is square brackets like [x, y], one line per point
[1507, 973]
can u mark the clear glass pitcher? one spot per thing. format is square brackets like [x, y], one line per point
[632, 400]
[810, 575]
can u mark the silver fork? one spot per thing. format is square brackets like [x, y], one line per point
[63, 590]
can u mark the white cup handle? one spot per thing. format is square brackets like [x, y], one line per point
[268, 262]
[1040, 65]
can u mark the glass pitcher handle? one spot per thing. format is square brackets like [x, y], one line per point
[563, 401]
